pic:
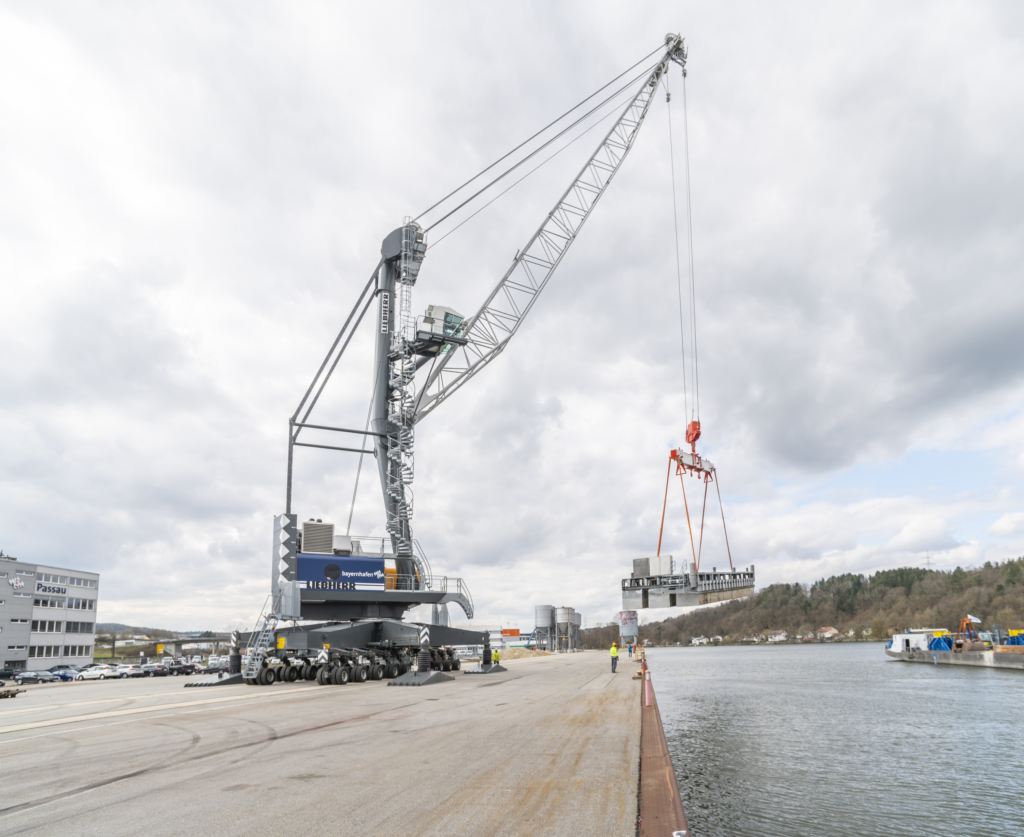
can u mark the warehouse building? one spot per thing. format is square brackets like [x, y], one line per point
[47, 615]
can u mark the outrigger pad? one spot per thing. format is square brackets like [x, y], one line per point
[490, 668]
[217, 680]
[420, 678]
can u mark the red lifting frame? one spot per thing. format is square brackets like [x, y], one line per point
[703, 470]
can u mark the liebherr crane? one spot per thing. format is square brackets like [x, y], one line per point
[449, 350]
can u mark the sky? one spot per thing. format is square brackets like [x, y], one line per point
[192, 196]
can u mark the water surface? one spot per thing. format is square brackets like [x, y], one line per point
[839, 741]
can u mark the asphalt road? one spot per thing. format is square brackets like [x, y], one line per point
[550, 747]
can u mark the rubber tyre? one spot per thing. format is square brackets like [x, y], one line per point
[321, 672]
[456, 664]
[261, 678]
[249, 681]
[405, 668]
[272, 677]
[446, 665]
[175, 673]
[359, 674]
[392, 671]
[309, 672]
[103, 677]
[376, 672]
[122, 676]
[339, 675]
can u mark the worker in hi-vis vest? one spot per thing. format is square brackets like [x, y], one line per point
[615, 656]
[495, 656]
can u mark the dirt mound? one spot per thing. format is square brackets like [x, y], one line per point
[520, 653]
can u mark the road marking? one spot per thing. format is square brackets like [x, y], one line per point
[96, 716]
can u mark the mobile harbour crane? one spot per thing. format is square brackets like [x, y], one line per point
[357, 587]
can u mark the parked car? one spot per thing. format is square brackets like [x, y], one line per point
[215, 667]
[65, 674]
[130, 670]
[100, 671]
[61, 667]
[34, 677]
[179, 667]
[155, 670]
[9, 673]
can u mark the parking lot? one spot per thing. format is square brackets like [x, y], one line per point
[530, 751]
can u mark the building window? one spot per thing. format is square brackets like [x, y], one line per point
[20, 621]
[23, 595]
[23, 572]
[15, 647]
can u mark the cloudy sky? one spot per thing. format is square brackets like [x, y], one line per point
[192, 195]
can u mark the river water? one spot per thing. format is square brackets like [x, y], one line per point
[826, 740]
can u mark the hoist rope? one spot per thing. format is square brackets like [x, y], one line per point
[689, 247]
[691, 294]
[541, 147]
[541, 131]
[580, 136]
[675, 229]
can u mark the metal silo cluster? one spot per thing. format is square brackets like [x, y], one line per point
[557, 629]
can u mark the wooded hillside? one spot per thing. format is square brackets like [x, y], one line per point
[877, 605]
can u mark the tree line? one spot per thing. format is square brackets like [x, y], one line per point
[875, 606]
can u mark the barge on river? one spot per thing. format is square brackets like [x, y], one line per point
[967, 647]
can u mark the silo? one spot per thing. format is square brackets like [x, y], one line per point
[544, 626]
[578, 631]
[563, 621]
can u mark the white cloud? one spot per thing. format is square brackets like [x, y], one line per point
[191, 200]
[1011, 523]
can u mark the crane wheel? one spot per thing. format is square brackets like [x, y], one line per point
[377, 672]
[310, 672]
[456, 664]
[249, 681]
[404, 668]
[293, 674]
[321, 676]
[359, 674]
[392, 671]
[339, 677]
[446, 665]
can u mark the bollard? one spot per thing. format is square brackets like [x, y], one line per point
[647, 688]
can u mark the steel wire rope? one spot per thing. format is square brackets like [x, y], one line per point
[580, 136]
[359, 466]
[689, 244]
[675, 230]
[537, 134]
[540, 148]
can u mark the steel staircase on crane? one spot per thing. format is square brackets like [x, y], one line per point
[255, 654]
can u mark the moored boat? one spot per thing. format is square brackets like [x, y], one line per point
[967, 647]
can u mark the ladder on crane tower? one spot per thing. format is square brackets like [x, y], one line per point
[257, 652]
